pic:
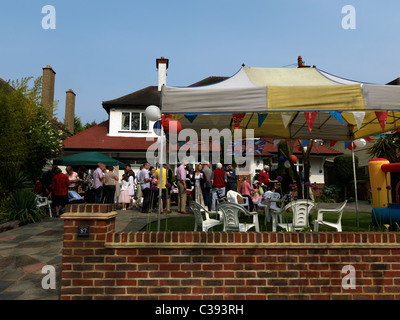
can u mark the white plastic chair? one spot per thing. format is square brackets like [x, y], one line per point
[274, 207]
[301, 210]
[233, 196]
[206, 223]
[43, 202]
[230, 214]
[337, 225]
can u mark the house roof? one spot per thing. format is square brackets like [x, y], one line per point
[96, 138]
[149, 96]
[270, 149]
[208, 81]
[394, 82]
[141, 98]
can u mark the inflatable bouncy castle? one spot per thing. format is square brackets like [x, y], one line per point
[385, 184]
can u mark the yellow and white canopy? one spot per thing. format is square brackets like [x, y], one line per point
[301, 103]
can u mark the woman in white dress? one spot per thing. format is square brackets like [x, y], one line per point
[131, 179]
[199, 180]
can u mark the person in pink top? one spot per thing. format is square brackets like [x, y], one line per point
[246, 190]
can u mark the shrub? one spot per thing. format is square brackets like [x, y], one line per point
[21, 205]
[12, 180]
[344, 168]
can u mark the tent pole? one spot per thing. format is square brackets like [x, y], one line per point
[355, 181]
[161, 162]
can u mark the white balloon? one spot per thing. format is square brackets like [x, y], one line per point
[360, 143]
[153, 113]
[287, 164]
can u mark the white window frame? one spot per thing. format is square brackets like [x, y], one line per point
[130, 122]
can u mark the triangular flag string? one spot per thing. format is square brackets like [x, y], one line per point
[237, 119]
[305, 142]
[359, 117]
[333, 142]
[337, 115]
[261, 118]
[286, 116]
[215, 119]
[382, 116]
[191, 117]
[310, 118]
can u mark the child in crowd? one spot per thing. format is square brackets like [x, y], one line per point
[124, 197]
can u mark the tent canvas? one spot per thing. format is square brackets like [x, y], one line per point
[286, 96]
[296, 103]
[87, 159]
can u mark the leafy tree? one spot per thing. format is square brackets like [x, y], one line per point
[28, 137]
[343, 166]
[287, 151]
[79, 127]
[387, 147]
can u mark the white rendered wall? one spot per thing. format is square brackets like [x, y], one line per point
[115, 123]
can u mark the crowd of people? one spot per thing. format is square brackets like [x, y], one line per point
[191, 183]
[78, 186]
[202, 184]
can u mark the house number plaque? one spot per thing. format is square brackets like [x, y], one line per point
[83, 231]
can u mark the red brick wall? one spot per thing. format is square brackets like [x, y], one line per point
[224, 265]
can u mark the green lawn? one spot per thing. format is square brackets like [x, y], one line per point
[349, 223]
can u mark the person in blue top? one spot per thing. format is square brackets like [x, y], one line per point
[231, 178]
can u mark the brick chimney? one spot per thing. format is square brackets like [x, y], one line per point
[48, 82]
[69, 110]
[162, 66]
[300, 63]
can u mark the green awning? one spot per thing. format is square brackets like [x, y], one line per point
[88, 159]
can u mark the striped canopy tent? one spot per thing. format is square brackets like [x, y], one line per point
[287, 103]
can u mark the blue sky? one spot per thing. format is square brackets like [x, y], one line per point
[106, 49]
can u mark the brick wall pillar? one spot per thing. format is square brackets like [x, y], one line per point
[84, 260]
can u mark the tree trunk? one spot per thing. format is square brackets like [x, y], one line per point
[306, 165]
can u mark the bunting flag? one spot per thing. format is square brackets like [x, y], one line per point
[276, 141]
[333, 142]
[235, 148]
[369, 139]
[382, 116]
[286, 116]
[237, 119]
[337, 115]
[359, 117]
[349, 145]
[305, 142]
[259, 146]
[191, 117]
[215, 119]
[261, 118]
[310, 118]
[240, 148]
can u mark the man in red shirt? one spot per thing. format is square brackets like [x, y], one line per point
[59, 190]
[218, 180]
[263, 177]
